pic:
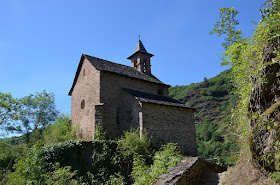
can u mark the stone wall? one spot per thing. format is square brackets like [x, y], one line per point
[121, 110]
[171, 124]
[87, 89]
[191, 171]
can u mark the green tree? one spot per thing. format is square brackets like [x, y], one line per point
[8, 109]
[28, 113]
[227, 26]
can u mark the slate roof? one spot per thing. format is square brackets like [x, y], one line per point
[140, 48]
[104, 65]
[145, 97]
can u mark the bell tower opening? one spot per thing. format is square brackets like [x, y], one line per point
[144, 65]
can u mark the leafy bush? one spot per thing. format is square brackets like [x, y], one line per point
[61, 176]
[116, 179]
[131, 143]
[99, 133]
[33, 169]
[106, 163]
[61, 130]
[9, 153]
[168, 157]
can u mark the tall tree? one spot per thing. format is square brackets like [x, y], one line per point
[227, 26]
[29, 113]
[8, 109]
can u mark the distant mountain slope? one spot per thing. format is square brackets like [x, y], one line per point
[213, 100]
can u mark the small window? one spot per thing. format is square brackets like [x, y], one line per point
[160, 91]
[83, 103]
[84, 72]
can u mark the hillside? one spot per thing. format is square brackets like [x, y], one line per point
[213, 100]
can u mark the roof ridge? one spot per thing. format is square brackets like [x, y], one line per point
[129, 67]
[109, 61]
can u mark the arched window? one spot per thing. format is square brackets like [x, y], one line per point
[83, 103]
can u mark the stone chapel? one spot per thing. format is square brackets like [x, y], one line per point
[120, 97]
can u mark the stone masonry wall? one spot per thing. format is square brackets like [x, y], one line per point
[120, 110]
[87, 88]
[170, 124]
[191, 171]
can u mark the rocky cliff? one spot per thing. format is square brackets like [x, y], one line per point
[265, 109]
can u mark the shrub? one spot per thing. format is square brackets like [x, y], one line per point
[99, 133]
[29, 169]
[39, 168]
[168, 157]
[131, 143]
[61, 130]
[106, 163]
[9, 153]
[117, 178]
[61, 176]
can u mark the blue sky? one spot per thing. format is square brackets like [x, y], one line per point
[41, 42]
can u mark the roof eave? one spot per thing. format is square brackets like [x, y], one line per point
[77, 74]
[151, 55]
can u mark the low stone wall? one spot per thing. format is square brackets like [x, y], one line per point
[190, 171]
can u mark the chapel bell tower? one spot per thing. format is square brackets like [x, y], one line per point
[140, 59]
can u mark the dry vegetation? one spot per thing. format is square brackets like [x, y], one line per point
[246, 172]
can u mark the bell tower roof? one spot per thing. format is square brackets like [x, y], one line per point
[140, 49]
